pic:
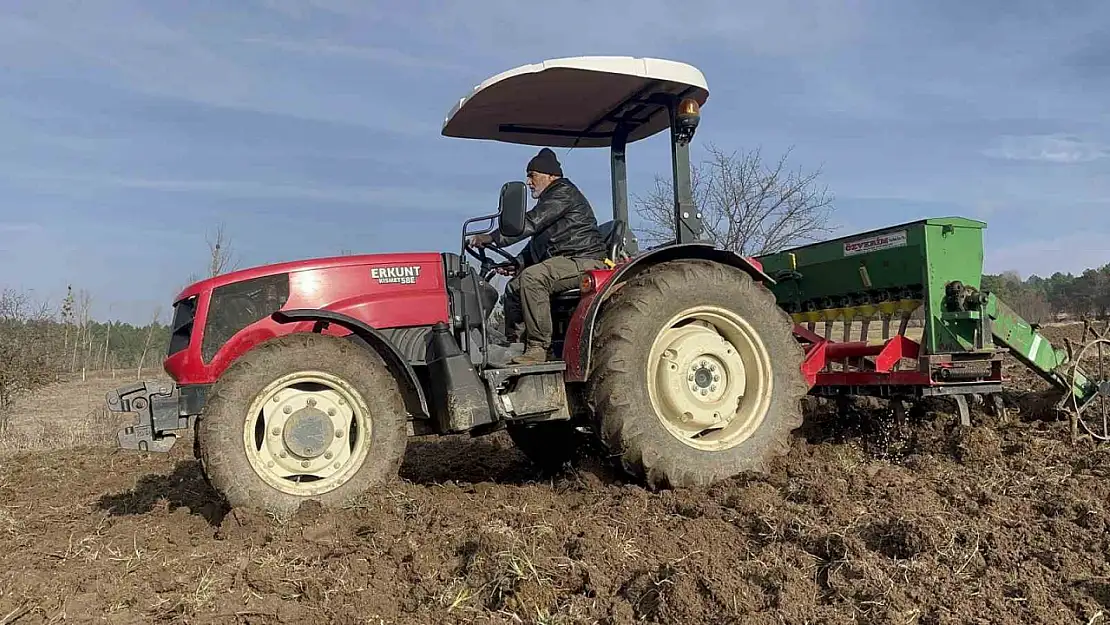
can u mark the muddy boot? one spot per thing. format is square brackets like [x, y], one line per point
[501, 355]
[534, 355]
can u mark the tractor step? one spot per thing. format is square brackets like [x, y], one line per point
[502, 356]
[496, 376]
[530, 392]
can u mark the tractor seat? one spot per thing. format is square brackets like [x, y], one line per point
[614, 243]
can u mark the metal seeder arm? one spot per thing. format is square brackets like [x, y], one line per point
[1086, 393]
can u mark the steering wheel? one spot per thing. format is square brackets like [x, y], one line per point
[488, 265]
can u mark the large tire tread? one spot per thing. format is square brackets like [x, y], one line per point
[220, 428]
[618, 392]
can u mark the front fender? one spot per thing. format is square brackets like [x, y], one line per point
[578, 345]
[415, 401]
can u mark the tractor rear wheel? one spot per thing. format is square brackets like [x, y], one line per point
[299, 417]
[697, 375]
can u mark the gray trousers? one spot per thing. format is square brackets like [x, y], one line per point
[528, 296]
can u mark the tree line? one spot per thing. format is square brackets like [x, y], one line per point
[40, 344]
[1060, 296]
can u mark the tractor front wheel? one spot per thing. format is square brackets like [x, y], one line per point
[697, 375]
[304, 416]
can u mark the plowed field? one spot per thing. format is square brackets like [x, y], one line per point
[1003, 522]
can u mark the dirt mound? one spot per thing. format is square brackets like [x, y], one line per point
[864, 522]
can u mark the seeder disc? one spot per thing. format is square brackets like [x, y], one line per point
[1093, 414]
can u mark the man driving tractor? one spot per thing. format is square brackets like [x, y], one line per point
[565, 243]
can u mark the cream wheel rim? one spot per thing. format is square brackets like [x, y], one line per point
[307, 433]
[709, 378]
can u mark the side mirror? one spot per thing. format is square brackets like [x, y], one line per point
[511, 207]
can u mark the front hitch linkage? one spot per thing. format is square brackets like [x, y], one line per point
[158, 409]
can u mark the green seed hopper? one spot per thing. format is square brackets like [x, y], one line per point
[902, 314]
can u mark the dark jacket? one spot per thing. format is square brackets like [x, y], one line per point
[561, 224]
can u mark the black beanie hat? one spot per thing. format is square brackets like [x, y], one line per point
[545, 163]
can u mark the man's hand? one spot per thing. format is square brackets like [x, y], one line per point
[480, 240]
[508, 270]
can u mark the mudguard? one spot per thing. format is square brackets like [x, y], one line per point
[415, 401]
[578, 345]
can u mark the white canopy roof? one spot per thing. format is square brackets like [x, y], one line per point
[573, 101]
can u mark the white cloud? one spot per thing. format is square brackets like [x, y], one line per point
[17, 227]
[1055, 148]
[430, 199]
[1069, 253]
[374, 54]
[127, 46]
[788, 28]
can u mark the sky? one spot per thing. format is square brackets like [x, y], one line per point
[129, 130]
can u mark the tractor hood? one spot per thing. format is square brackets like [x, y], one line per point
[331, 262]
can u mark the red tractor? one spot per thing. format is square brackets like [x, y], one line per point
[304, 379]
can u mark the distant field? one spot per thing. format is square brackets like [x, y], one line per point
[862, 522]
[67, 414]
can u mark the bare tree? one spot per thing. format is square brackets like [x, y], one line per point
[84, 305]
[28, 357]
[146, 344]
[220, 257]
[747, 206]
[67, 315]
[219, 252]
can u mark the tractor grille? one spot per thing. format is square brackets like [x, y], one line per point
[236, 306]
[181, 328]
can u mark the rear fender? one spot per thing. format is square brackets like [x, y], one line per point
[578, 345]
[415, 401]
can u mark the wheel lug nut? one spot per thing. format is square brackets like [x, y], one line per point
[713, 387]
[270, 464]
[311, 401]
[329, 455]
[282, 454]
[712, 367]
[704, 392]
[716, 378]
[277, 398]
[339, 433]
[331, 412]
[276, 431]
[304, 464]
[287, 409]
[690, 377]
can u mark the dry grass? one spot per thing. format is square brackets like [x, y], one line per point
[66, 414]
